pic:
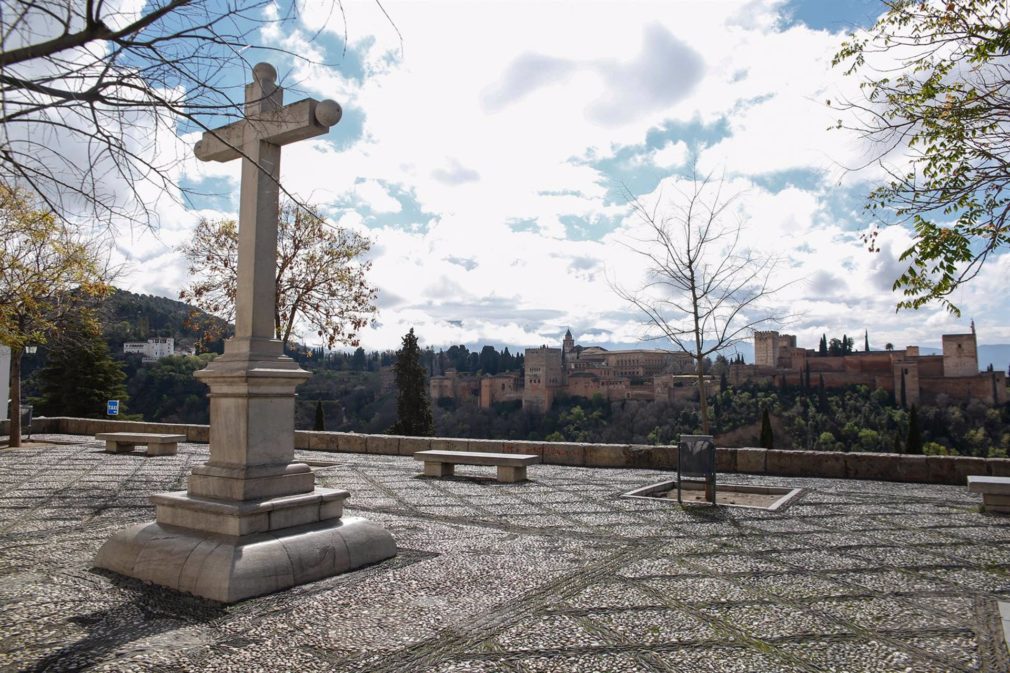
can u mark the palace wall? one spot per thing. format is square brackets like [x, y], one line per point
[913, 378]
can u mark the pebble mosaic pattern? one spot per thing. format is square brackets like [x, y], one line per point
[556, 574]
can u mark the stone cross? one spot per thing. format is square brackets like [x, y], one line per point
[257, 140]
[252, 521]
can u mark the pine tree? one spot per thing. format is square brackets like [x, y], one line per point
[413, 409]
[319, 424]
[80, 376]
[914, 442]
[767, 439]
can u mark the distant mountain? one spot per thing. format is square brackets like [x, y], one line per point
[127, 316]
[997, 355]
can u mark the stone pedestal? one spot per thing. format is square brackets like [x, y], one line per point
[252, 521]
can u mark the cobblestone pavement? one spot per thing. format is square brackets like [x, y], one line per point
[557, 574]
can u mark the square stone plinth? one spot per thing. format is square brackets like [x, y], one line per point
[250, 516]
[221, 482]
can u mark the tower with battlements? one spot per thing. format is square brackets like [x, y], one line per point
[545, 375]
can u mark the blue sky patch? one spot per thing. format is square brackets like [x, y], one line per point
[523, 225]
[350, 129]
[833, 15]
[579, 228]
[212, 193]
[799, 178]
[845, 206]
[628, 167]
[410, 218]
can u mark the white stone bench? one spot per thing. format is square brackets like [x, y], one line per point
[157, 445]
[995, 492]
[511, 466]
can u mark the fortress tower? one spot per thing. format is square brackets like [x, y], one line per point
[545, 374]
[960, 355]
[770, 346]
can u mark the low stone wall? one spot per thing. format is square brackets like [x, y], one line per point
[833, 465]
[91, 426]
[39, 426]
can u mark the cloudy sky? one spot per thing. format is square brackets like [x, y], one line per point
[488, 155]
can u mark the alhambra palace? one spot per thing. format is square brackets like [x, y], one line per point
[648, 375]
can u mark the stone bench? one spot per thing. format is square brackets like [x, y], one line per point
[511, 466]
[995, 492]
[157, 444]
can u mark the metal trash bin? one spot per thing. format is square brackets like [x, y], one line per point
[26, 419]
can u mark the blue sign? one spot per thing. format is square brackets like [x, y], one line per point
[113, 408]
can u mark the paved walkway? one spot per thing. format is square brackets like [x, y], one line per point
[558, 574]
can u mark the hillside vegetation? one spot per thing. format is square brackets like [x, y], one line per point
[353, 392]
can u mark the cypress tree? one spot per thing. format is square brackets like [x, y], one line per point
[413, 409]
[822, 349]
[79, 375]
[767, 439]
[914, 442]
[866, 340]
[319, 424]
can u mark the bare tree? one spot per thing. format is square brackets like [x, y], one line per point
[703, 290]
[320, 277]
[88, 90]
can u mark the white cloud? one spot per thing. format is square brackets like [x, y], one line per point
[376, 198]
[670, 155]
[480, 116]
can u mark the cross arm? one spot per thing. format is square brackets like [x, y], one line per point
[305, 119]
[223, 144]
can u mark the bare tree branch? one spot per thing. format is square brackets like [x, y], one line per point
[90, 91]
[702, 291]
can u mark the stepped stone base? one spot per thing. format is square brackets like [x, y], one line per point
[248, 516]
[232, 568]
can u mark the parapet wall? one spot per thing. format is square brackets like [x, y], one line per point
[826, 464]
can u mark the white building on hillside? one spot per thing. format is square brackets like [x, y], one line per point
[152, 349]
